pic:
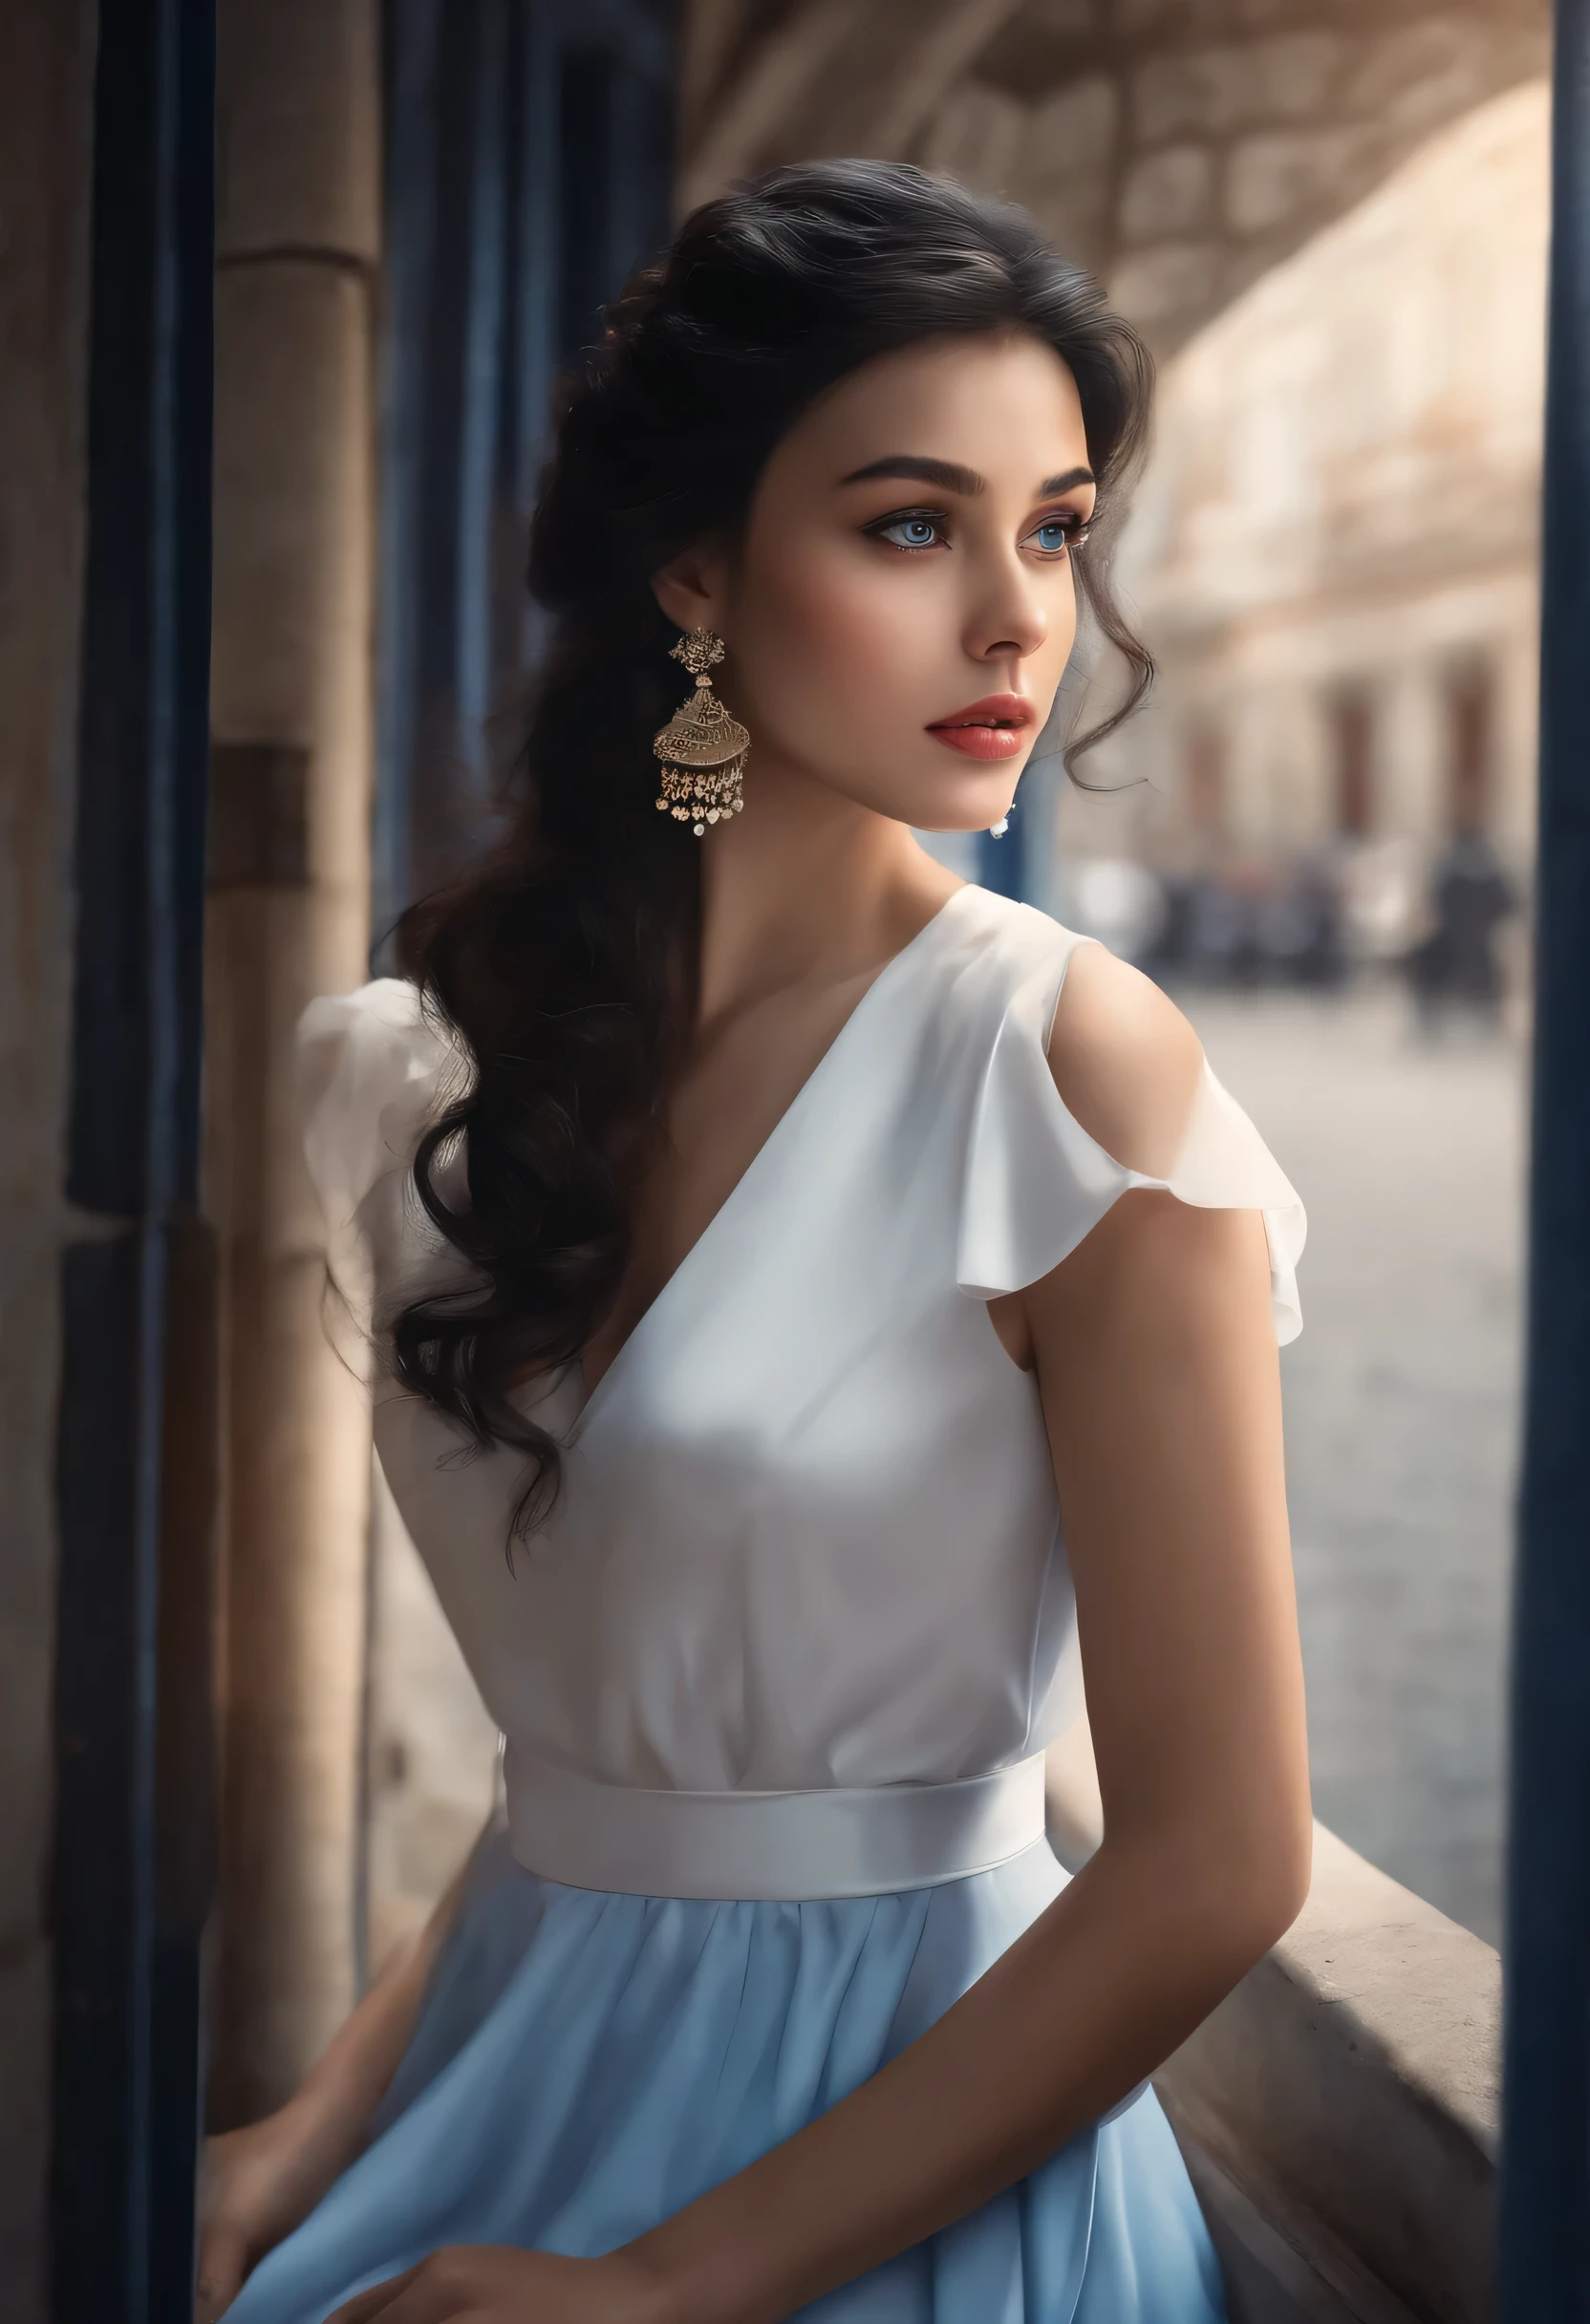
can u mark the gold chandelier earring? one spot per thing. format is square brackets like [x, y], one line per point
[704, 750]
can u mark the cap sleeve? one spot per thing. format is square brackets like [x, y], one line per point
[1036, 1183]
[373, 1071]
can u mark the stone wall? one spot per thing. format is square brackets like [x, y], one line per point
[1178, 147]
[46, 117]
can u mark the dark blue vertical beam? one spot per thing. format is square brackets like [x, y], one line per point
[481, 398]
[588, 79]
[1546, 2209]
[410, 30]
[533, 304]
[136, 1439]
[536, 283]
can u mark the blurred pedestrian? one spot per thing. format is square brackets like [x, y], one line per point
[1456, 965]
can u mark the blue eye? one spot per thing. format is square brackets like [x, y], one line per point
[1057, 534]
[909, 531]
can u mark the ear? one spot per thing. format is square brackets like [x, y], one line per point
[692, 587]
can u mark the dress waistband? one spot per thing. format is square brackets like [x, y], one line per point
[765, 1845]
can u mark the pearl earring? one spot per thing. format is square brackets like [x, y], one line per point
[998, 830]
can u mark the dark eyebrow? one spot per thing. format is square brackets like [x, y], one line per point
[947, 473]
[952, 477]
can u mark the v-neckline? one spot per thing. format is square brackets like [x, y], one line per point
[797, 1103]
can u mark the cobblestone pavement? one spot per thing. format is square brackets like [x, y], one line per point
[1402, 1401]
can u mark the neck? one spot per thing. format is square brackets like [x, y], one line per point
[806, 884]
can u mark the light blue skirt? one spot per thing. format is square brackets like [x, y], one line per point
[584, 2065]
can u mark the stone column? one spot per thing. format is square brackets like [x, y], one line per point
[46, 178]
[297, 242]
[1413, 766]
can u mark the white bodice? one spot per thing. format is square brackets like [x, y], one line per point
[807, 1536]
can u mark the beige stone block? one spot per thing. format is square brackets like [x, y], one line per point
[1295, 75]
[294, 509]
[978, 135]
[1184, 19]
[1062, 20]
[904, 59]
[298, 127]
[1277, 177]
[1203, 90]
[1237, 85]
[753, 116]
[1413, 81]
[1073, 135]
[1075, 218]
[1171, 193]
[268, 952]
[1428, 64]
[1173, 279]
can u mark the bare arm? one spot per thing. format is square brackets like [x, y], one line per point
[259, 2183]
[342, 2090]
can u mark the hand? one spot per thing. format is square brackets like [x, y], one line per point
[490, 2284]
[258, 2185]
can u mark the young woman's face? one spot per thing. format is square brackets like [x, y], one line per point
[902, 604]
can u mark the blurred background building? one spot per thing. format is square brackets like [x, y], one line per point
[1334, 550]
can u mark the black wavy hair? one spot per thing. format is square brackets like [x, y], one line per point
[566, 960]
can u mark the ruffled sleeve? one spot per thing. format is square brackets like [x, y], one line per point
[1036, 1183]
[373, 1071]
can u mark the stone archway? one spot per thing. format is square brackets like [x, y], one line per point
[1178, 147]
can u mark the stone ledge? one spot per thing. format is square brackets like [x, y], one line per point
[1340, 2109]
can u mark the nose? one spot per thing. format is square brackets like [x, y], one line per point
[1008, 620]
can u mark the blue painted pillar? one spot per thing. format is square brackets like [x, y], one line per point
[1545, 2211]
[136, 1425]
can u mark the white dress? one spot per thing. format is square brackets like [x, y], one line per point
[777, 1676]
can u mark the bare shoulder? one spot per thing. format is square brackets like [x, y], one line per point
[1124, 1060]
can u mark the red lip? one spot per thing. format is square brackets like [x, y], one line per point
[994, 710]
[994, 728]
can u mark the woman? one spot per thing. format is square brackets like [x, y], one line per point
[768, 1236]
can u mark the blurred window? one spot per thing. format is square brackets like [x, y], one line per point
[1471, 718]
[586, 79]
[1352, 739]
[1205, 779]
